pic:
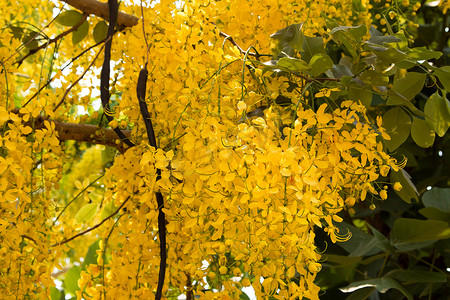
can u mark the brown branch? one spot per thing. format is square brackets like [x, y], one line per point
[82, 132]
[93, 227]
[51, 41]
[89, 133]
[101, 10]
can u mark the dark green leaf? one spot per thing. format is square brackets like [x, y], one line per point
[397, 99]
[383, 241]
[408, 190]
[409, 86]
[288, 40]
[69, 18]
[341, 259]
[357, 32]
[422, 133]
[363, 95]
[368, 248]
[244, 296]
[374, 78]
[320, 63]
[86, 213]
[81, 32]
[412, 231]
[100, 31]
[417, 276]
[437, 112]
[311, 46]
[438, 198]
[389, 55]
[29, 40]
[71, 280]
[356, 245]
[339, 71]
[435, 214]
[381, 284]
[361, 294]
[398, 125]
[422, 53]
[108, 209]
[292, 64]
[443, 73]
[382, 39]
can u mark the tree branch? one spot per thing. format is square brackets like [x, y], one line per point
[93, 227]
[82, 132]
[51, 41]
[89, 133]
[101, 10]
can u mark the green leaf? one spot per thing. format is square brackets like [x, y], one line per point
[382, 39]
[357, 32]
[312, 46]
[408, 190]
[397, 99]
[374, 78]
[389, 55]
[437, 112]
[320, 63]
[244, 296]
[91, 255]
[443, 73]
[408, 232]
[292, 64]
[416, 276]
[30, 40]
[108, 154]
[86, 213]
[81, 32]
[55, 294]
[422, 133]
[100, 31]
[356, 246]
[381, 284]
[69, 18]
[435, 214]
[422, 53]
[342, 260]
[108, 209]
[383, 241]
[288, 40]
[398, 125]
[71, 280]
[361, 294]
[438, 198]
[408, 86]
[363, 95]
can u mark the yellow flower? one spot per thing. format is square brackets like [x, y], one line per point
[397, 186]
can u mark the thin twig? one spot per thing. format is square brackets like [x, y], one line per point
[242, 51]
[41, 31]
[145, 35]
[53, 40]
[62, 69]
[93, 227]
[78, 79]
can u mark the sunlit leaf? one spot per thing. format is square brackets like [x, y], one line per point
[437, 113]
[398, 125]
[69, 18]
